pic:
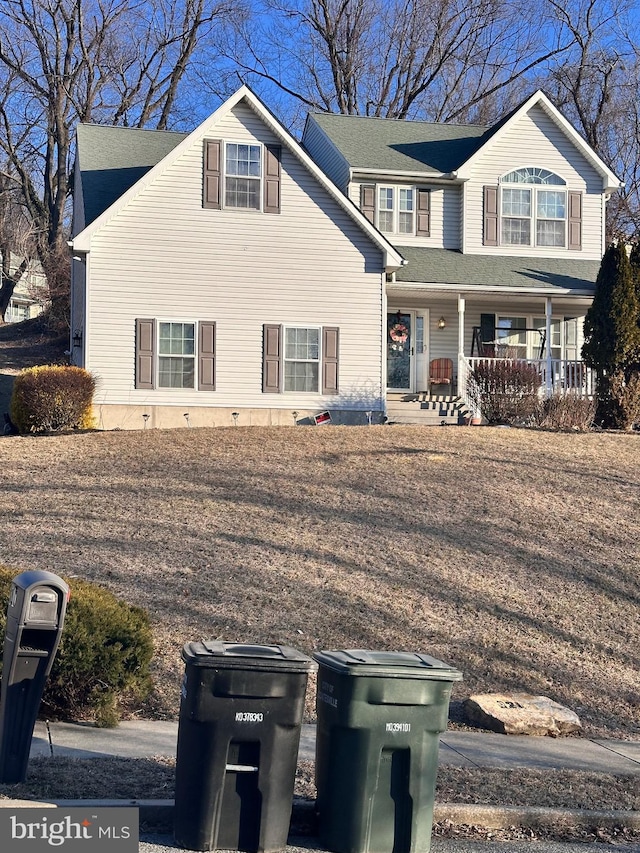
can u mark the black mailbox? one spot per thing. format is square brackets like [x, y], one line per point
[35, 615]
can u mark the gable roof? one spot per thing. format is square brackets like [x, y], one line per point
[395, 145]
[436, 149]
[134, 170]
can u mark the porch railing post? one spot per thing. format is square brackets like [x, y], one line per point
[549, 377]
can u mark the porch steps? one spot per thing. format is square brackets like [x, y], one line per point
[425, 409]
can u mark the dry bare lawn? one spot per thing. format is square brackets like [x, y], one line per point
[510, 554]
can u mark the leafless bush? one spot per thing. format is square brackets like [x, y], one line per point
[568, 411]
[508, 390]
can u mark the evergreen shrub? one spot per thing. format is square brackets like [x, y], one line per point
[52, 398]
[104, 655]
[508, 390]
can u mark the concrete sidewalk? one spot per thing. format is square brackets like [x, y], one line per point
[145, 739]
[142, 739]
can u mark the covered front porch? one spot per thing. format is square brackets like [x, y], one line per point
[435, 340]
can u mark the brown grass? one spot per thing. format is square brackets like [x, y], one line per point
[511, 554]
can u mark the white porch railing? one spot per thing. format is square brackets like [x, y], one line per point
[566, 377]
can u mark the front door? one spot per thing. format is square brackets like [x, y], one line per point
[400, 369]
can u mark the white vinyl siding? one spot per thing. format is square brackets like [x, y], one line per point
[536, 140]
[445, 217]
[164, 256]
[326, 155]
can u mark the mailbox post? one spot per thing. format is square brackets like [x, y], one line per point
[35, 615]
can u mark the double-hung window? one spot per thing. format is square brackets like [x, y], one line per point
[301, 358]
[243, 173]
[176, 355]
[532, 214]
[396, 210]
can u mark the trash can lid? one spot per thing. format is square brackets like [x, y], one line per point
[219, 655]
[388, 664]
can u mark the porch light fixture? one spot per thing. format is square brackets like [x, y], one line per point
[77, 338]
[442, 323]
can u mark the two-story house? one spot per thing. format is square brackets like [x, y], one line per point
[233, 275]
[502, 228]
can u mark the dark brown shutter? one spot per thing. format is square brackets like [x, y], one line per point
[272, 359]
[330, 353]
[145, 354]
[423, 221]
[272, 154]
[490, 210]
[212, 177]
[487, 334]
[368, 201]
[575, 220]
[206, 356]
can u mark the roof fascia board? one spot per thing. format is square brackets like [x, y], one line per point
[610, 181]
[439, 287]
[389, 174]
[392, 258]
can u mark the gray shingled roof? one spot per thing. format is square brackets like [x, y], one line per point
[445, 266]
[112, 159]
[402, 146]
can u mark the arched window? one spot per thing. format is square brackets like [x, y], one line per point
[532, 175]
[531, 214]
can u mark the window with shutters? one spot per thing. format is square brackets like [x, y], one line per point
[396, 210]
[533, 209]
[174, 354]
[241, 176]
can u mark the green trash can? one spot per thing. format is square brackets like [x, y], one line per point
[238, 735]
[380, 715]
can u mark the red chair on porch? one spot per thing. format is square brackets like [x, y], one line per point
[441, 373]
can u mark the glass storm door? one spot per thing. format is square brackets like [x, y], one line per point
[399, 351]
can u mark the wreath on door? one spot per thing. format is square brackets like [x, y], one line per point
[399, 333]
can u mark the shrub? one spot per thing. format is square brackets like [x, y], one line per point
[568, 411]
[52, 398]
[103, 658]
[507, 389]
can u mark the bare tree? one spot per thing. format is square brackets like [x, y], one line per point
[398, 58]
[598, 89]
[64, 61]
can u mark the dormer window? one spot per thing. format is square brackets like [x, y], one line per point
[397, 209]
[531, 214]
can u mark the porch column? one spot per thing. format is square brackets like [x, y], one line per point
[549, 371]
[460, 327]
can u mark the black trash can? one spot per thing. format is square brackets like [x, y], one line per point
[238, 736]
[380, 715]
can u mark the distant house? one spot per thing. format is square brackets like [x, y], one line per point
[30, 295]
[221, 277]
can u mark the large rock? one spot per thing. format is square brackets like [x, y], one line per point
[521, 714]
